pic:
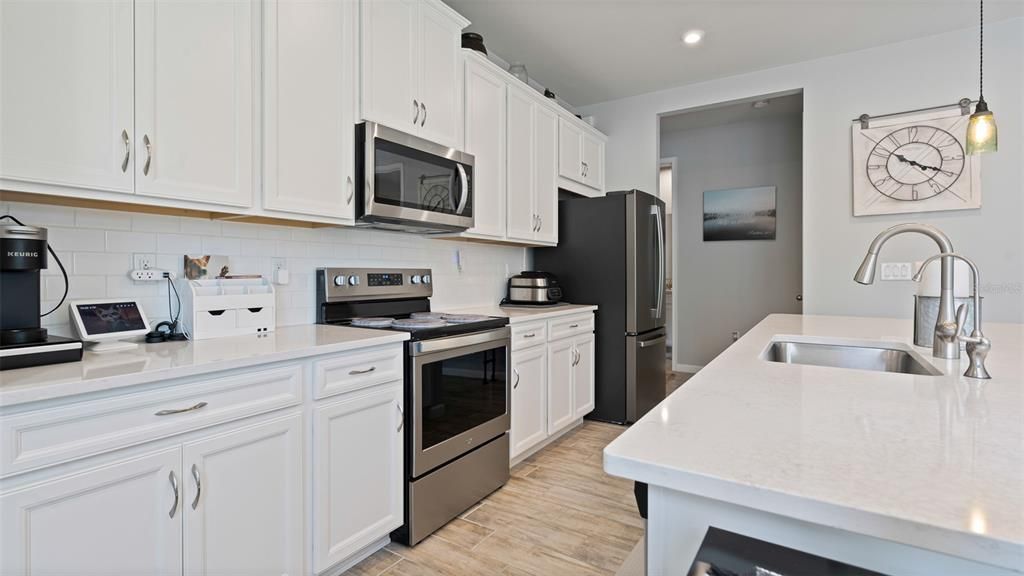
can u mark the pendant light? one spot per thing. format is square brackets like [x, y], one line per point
[982, 135]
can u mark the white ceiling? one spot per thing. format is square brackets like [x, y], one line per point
[591, 51]
[788, 105]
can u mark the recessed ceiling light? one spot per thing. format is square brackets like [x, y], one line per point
[693, 37]
[761, 104]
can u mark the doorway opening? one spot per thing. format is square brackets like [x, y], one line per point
[731, 176]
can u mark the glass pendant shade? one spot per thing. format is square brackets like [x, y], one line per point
[982, 134]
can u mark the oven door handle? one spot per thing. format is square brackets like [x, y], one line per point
[455, 342]
[464, 178]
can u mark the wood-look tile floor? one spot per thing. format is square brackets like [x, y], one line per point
[559, 514]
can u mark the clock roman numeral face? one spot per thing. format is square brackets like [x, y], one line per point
[915, 163]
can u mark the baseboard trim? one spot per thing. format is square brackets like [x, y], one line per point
[691, 368]
[356, 558]
[543, 443]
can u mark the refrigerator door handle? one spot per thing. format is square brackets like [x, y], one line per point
[660, 231]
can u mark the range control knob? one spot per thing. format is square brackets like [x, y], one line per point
[415, 279]
[353, 280]
[426, 278]
[339, 280]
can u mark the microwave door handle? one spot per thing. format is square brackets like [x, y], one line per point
[465, 188]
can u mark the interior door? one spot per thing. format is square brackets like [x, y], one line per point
[195, 68]
[645, 262]
[389, 78]
[242, 501]
[119, 519]
[67, 93]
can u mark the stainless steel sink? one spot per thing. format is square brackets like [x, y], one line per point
[879, 359]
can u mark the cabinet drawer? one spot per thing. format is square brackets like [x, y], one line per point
[355, 370]
[570, 326]
[215, 322]
[44, 437]
[528, 335]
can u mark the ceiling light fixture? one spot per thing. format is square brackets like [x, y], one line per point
[693, 37]
[982, 135]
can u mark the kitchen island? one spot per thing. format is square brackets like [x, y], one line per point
[892, 472]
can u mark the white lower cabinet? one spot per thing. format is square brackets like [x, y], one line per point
[242, 501]
[552, 379]
[119, 519]
[529, 386]
[357, 472]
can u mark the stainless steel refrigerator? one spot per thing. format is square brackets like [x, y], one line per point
[611, 252]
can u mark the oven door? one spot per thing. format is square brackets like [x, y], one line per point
[409, 182]
[460, 395]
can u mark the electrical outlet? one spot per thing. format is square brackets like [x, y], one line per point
[897, 271]
[150, 275]
[142, 261]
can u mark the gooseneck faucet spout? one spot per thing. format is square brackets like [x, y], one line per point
[945, 344]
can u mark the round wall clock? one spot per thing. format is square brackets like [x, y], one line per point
[913, 165]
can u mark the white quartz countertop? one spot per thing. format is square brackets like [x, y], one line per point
[153, 362]
[932, 462]
[526, 314]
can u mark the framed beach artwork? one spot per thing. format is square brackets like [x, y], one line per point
[739, 214]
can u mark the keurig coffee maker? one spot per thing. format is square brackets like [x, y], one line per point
[23, 341]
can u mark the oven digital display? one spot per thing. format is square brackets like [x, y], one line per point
[385, 279]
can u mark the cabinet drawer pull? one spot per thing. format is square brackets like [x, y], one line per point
[424, 121]
[149, 154]
[181, 410]
[174, 488]
[416, 112]
[199, 486]
[401, 417]
[127, 150]
[358, 372]
[530, 335]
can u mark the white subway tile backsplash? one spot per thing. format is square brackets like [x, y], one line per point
[97, 252]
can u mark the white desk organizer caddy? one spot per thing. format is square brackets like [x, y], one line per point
[228, 307]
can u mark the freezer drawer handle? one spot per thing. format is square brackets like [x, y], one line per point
[652, 341]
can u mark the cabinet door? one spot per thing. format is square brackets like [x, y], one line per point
[389, 32]
[309, 107]
[570, 151]
[122, 518]
[242, 501]
[439, 67]
[522, 217]
[194, 72]
[357, 473]
[593, 162]
[67, 113]
[560, 385]
[485, 140]
[545, 173]
[529, 421]
[583, 376]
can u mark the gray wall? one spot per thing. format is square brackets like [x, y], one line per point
[721, 287]
[837, 89]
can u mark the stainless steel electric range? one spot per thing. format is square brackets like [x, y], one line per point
[457, 390]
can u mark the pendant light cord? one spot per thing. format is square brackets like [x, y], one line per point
[981, 51]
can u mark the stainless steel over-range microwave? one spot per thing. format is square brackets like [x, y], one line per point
[407, 183]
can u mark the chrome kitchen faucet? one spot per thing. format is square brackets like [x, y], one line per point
[978, 346]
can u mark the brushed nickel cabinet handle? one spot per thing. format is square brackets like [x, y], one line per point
[174, 488]
[358, 372]
[127, 150]
[516, 384]
[416, 112]
[181, 410]
[401, 417]
[574, 325]
[530, 335]
[351, 190]
[424, 121]
[199, 486]
[540, 223]
[149, 154]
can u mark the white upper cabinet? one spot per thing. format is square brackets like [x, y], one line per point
[532, 170]
[411, 66]
[485, 140]
[195, 69]
[122, 518]
[242, 501]
[309, 107]
[581, 151]
[67, 112]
